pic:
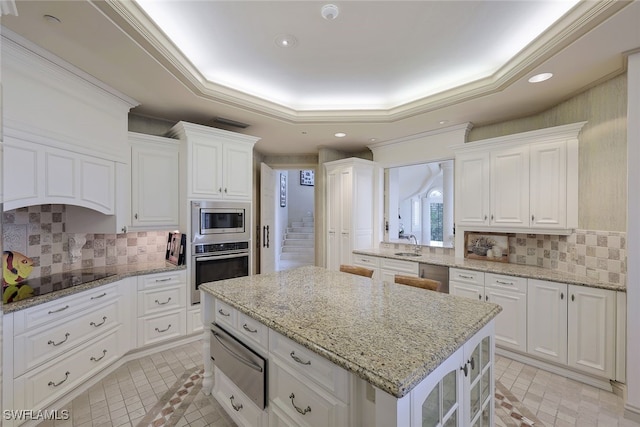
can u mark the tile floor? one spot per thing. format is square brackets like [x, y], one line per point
[123, 397]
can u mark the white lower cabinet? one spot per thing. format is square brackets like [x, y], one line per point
[510, 293]
[547, 320]
[370, 262]
[390, 267]
[235, 402]
[162, 307]
[591, 330]
[466, 283]
[460, 392]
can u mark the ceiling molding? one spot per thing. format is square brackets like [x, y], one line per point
[131, 19]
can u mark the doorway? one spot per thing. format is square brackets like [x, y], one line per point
[287, 218]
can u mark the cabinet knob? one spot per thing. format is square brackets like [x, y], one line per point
[220, 190]
[124, 229]
[491, 217]
[480, 297]
[225, 191]
[573, 297]
[136, 216]
[532, 217]
[561, 295]
[485, 217]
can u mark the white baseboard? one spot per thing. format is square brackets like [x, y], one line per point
[632, 412]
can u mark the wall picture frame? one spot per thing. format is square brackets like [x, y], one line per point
[283, 190]
[307, 177]
[487, 246]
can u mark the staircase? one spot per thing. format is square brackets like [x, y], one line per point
[299, 243]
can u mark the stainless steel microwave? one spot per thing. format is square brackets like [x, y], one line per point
[220, 221]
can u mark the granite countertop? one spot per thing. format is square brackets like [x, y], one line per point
[49, 288]
[390, 335]
[517, 270]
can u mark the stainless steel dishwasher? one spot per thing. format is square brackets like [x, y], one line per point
[436, 272]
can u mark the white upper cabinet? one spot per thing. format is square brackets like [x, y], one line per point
[154, 181]
[521, 182]
[219, 163]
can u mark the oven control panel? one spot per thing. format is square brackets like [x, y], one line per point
[219, 248]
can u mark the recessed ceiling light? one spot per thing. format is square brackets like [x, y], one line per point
[329, 12]
[52, 19]
[443, 122]
[340, 135]
[540, 77]
[372, 140]
[286, 41]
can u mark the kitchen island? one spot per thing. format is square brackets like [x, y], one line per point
[400, 349]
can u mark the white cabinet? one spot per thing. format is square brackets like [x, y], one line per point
[526, 181]
[466, 283]
[154, 181]
[162, 307]
[218, 163]
[390, 267]
[350, 216]
[547, 320]
[37, 174]
[573, 325]
[591, 330]
[460, 391]
[507, 291]
[510, 293]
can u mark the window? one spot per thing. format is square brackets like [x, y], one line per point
[437, 224]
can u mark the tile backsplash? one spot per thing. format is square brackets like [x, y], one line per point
[39, 233]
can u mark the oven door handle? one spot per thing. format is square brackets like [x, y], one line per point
[215, 257]
[236, 355]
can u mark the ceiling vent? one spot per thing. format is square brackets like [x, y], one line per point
[229, 122]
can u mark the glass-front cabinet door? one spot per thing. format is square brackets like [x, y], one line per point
[480, 383]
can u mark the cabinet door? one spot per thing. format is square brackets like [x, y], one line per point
[206, 169]
[60, 169]
[438, 400]
[466, 290]
[472, 189]
[97, 184]
[346, 209]
[548, 185]
[154, 185]
[510, 187]
[511, 322]
[333, 220]
[21, 175]
[237, 167]
[547, 320]
[478, 381]
[592, 330]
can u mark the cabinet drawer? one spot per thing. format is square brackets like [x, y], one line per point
[255, 331]
[225, 314]
[161, 299]
[507, 283]
[302, 402]
[36, 347]
[366, 261]
[160, 327]
[313, 366]
[151, 281]
[400, 266]
[40, 387]
[466, 276]
[236, 403]
[60, 309]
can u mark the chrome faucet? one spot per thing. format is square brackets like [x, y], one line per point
[416, 248]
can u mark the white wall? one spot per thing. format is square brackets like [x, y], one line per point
[282, 216]
[301, 197]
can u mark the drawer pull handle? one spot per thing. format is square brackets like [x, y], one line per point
[66, 376]
[104, 353]
[59, 310]
[164, 330]
[224, 313]
[99, 296]
[66, 337]
[163, 280]
[297, 359]
[464, 276]
[300, 411]
[163, 303]
[104, 319]
[248, 329]
[234, 406]
[504, 283]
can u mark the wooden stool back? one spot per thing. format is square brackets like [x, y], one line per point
[360, 271]
[417, 282]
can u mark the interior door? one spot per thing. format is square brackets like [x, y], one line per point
[267, 219]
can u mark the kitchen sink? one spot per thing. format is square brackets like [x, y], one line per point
[407, 254]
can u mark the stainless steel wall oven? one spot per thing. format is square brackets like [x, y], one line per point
[217, 261]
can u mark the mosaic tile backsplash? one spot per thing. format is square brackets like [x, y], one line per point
[39, 233]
